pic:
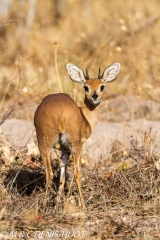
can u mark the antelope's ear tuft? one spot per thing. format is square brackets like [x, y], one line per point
[110, 73]
[76, 74]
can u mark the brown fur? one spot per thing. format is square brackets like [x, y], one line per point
[59, 114]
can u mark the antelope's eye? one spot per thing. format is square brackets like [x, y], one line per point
[101, 88]
[86, 88]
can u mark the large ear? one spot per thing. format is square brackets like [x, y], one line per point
[110, 73]
[76, 74]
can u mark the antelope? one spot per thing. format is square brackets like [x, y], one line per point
[62, 125]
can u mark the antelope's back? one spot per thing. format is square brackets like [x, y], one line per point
[57, 114]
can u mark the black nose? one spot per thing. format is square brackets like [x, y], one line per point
[95, 96]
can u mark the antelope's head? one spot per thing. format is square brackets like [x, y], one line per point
[94, 87]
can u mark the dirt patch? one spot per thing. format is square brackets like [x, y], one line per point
[20, 134]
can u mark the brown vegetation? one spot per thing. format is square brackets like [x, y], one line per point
[120, 204]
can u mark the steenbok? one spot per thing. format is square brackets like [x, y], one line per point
[62, 125]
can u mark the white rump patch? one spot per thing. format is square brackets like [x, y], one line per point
[64, 139]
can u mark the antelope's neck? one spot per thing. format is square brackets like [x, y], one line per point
[91, 113]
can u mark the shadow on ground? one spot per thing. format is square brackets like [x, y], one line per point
[27, 181]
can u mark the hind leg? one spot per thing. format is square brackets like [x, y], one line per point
[64, 158]
[45, 155]
[77, 172]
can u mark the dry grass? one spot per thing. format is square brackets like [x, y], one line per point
[90, 34]
[122, 204]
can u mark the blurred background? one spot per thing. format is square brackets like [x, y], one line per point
[38, 38]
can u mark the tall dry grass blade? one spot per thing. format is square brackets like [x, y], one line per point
[3, 98]
[56, 66]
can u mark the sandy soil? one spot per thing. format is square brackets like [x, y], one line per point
[20, 133]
